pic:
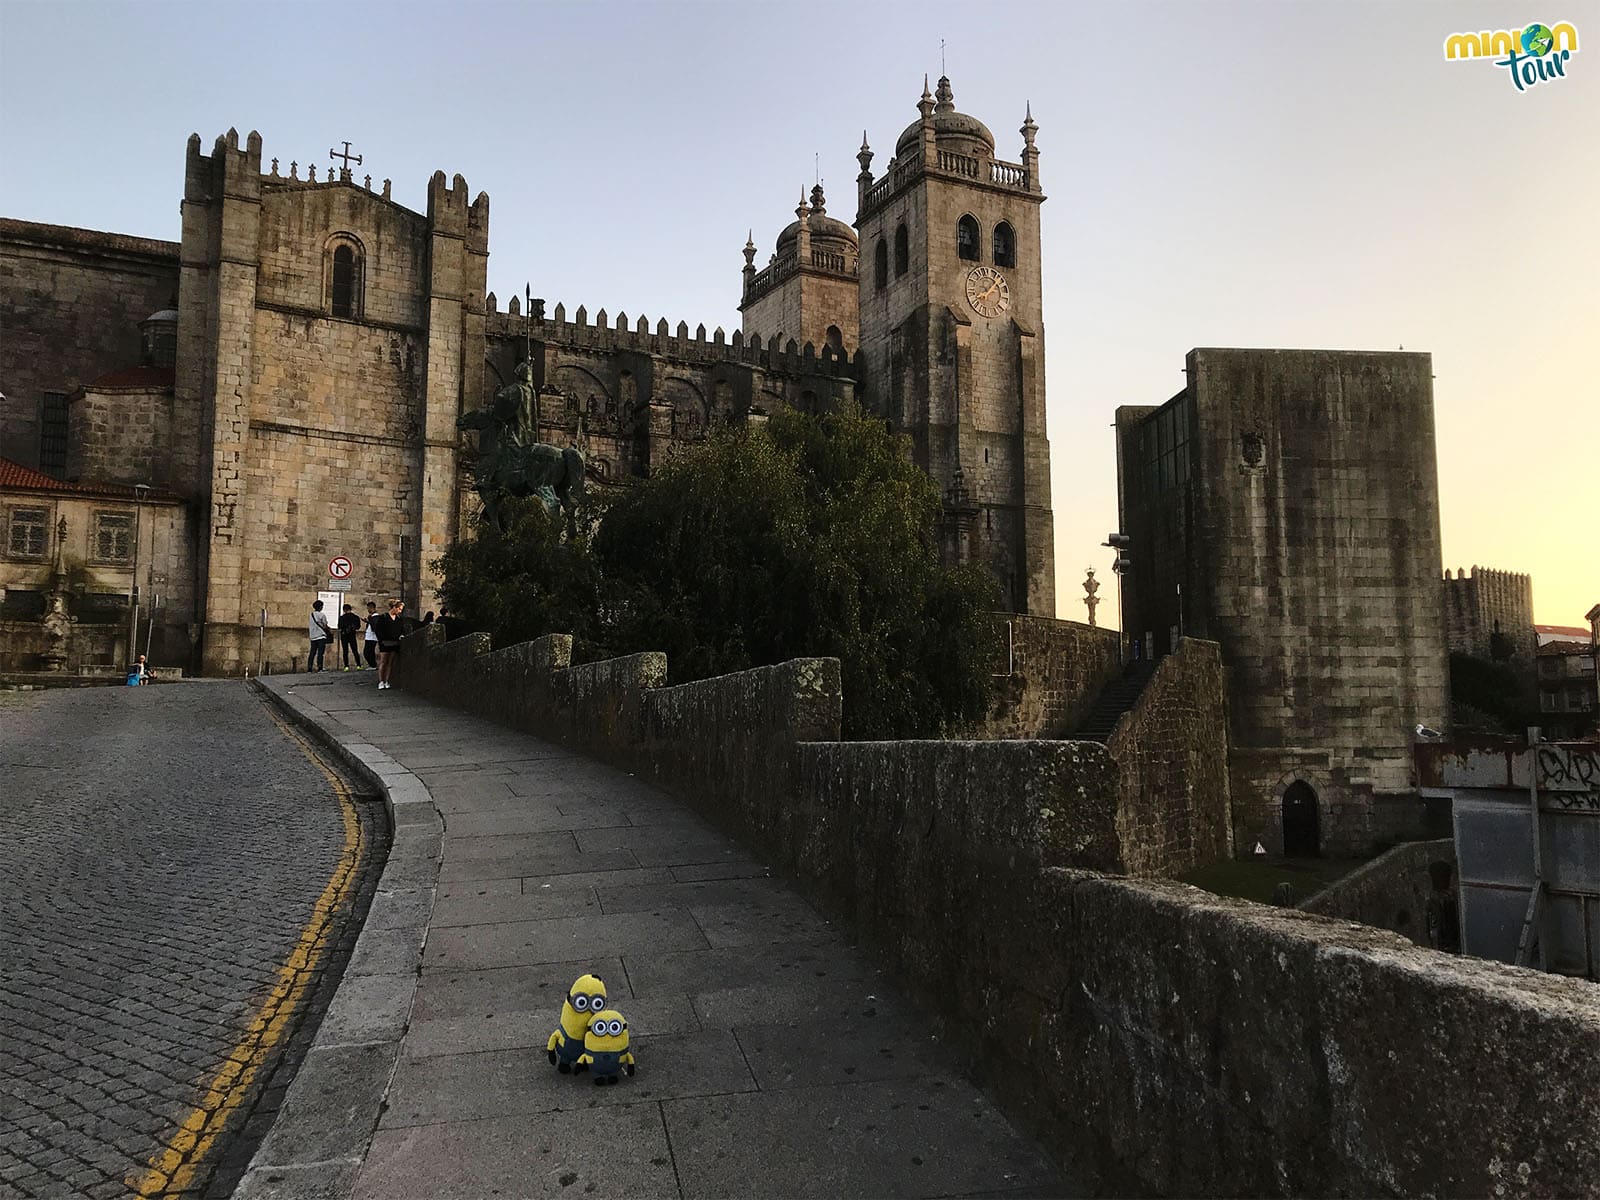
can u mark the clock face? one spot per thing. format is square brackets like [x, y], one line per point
[987, 292]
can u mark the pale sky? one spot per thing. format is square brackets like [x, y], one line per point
[1219, 174]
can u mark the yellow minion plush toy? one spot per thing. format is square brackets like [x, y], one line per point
[605, 1047]
[583, 1002]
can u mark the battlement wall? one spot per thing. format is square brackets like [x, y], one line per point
[1160, 1039]
[777, 353]
[1478, 605]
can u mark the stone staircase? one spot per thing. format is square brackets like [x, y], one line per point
[1117, 698]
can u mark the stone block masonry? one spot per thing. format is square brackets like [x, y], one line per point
[1390, 892]
[1489, 614]
[1167, 1041]
[1171, 748]
[1285, 505]
[71, 301]
[1052, 670]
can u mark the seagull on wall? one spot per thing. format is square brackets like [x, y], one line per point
[1424, 732]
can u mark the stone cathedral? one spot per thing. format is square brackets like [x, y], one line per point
[195, 434]
[287, 376]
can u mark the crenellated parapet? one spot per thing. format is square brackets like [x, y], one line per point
[450, 211]
[1489, 614]
[775, 352]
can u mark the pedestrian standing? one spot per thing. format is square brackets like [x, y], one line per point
[349, 626]
[390, 630]
[370, 646]
[321, 635]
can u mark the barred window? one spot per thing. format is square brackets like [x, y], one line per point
[113, 537]
[29, 533]
[53, 434]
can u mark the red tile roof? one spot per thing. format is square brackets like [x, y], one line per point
[135, 377]
[16, 477]
[1581, 631]
[1559, 649]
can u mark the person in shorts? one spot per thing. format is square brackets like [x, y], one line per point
[391, 629]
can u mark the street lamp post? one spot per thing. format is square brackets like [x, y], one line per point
[139, 491]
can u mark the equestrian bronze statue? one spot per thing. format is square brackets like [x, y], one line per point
[512, 463]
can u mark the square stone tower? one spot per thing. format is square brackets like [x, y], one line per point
[808, 292]
[1285, 504]
[327, 339]
[952, 335]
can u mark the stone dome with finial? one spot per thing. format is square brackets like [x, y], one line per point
[826, 232]
[952, 130]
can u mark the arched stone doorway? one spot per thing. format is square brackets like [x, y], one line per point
[1302, 835]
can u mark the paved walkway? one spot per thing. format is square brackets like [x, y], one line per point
[774, 1060]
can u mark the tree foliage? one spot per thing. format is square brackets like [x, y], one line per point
[1489, 698]
[813, 536]
[524, 583]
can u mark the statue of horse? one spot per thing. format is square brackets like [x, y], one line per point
[507, 466]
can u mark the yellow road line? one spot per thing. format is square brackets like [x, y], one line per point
[172, 1168]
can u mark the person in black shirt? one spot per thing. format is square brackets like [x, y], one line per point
[390, 631]
[349, 627]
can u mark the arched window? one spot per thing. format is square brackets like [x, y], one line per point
[346, 264]
[1005, 246]
[967, 238]
[880, 265]
[834, 339]
[902, 251]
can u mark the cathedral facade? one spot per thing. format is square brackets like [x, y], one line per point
[292, 370]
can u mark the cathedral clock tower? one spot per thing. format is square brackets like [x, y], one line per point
[952, 339]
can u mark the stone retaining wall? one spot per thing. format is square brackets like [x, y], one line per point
[1171, 750]
[1162, 1039]
[1054, 670]
[1390, 892]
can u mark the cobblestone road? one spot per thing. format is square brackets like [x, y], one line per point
[162, 850]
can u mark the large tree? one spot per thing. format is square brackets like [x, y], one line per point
[812, 536]
[525, 582]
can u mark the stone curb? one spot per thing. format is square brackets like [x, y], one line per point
[325, 1124]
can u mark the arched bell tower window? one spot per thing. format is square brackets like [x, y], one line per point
[346, 276]
[880, 265]
[1005, 246]
[967, 238]
[833, 339]
[902, 251]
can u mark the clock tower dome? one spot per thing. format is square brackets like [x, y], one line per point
[952, 339]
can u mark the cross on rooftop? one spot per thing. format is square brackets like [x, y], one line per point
[347, 156]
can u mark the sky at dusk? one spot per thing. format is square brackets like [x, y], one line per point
[1218, 174]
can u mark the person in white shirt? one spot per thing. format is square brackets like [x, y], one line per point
[321, 635]
[370, 646]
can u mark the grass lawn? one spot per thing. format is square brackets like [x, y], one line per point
[1256, 878]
